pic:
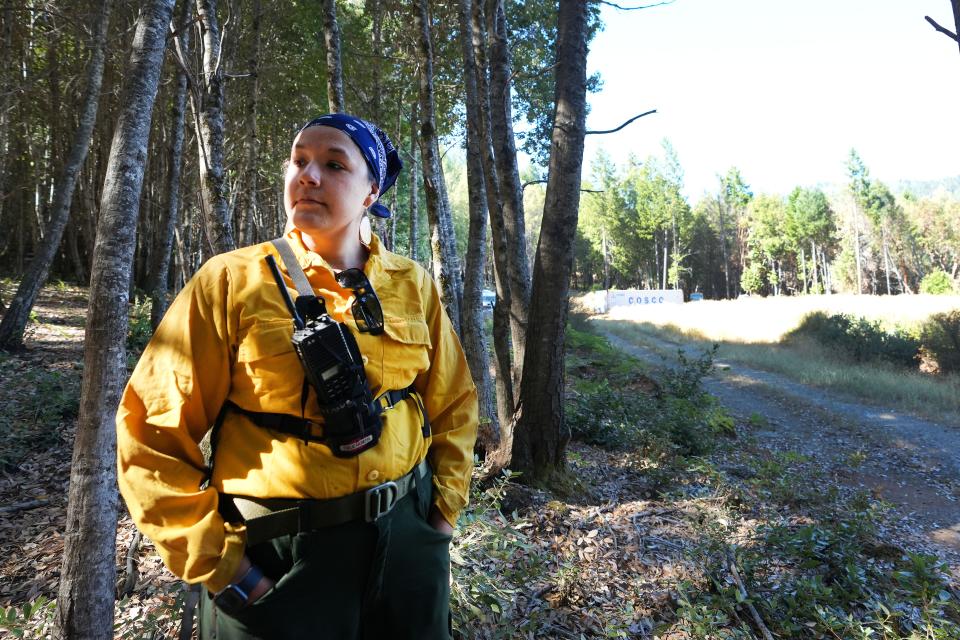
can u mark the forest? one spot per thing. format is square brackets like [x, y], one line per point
[139, 140]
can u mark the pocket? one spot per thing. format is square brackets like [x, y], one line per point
[265, 360]
[265, 340]
[406, 350]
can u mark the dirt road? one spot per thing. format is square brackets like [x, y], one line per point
[911, 463]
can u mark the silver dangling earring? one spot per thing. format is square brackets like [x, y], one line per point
[366, 231]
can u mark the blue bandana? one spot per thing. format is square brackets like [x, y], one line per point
[377, 150]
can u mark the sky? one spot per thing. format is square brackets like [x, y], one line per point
[780, 89]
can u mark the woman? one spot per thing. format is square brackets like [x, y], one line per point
[295, 533]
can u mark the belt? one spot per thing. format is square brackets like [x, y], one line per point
[268, 518]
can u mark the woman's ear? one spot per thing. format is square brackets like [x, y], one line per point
[372, 196]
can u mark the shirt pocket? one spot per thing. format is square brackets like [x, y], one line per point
[267, 366]
[407, 348]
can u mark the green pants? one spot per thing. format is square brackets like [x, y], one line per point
[388, 579]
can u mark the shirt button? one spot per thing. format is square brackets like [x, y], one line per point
[365, 359]
[373, 475]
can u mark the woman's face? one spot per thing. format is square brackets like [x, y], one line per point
[327, 183]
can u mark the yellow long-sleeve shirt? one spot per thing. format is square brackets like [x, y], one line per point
[227, 337]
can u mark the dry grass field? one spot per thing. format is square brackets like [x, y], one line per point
[751, 330]
[753, 320]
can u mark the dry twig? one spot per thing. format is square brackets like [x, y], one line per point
[732, 567]
[23, 506]
[130, 581]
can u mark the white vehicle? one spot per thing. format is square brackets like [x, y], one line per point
[488, 298]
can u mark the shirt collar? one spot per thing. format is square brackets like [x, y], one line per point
[378, 261]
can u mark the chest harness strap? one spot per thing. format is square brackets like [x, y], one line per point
[307, 430]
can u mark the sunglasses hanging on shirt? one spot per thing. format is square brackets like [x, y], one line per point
[367, 312]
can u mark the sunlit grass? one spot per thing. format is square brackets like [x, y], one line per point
[766, 320]
[804, 361]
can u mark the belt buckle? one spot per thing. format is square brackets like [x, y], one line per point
[379, 500]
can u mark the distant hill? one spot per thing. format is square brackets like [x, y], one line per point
[919, 188]
[926, 188]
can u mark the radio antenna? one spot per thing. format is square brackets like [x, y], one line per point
[278, 277]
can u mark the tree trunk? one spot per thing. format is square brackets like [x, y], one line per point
[813, 257]
[331, 42]
[541, 436]
[250, 204]
[160, 270]
[9, 79]
[86, 596]
[723, 248]
[210, 134]
[511, 190]
[446, 265]
[501, 278]
[414, 191]
[856, 245]
[803, 266]
[886, 257]
[15, 320]
[471, 315]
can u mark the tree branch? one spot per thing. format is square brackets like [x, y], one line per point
[644, 6]
[534, 73]
[745, 596]
[942, 30]
[527, 184]
[646, 113]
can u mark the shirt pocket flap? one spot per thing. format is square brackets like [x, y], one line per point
[264, 340]
[408, 331]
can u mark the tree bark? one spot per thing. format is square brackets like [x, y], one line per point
[331, 42]
[511, 190]
[471, 314]
[85, 601]
[160, 270]
[210, 134]
[15, 320]
[446, 265]
[541, 436]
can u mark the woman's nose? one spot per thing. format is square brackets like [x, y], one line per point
[310, 174]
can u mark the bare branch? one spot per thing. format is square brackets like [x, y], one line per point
[942, 30]
[527, 184]
[643, 6]
[534, 73]
[646, 113]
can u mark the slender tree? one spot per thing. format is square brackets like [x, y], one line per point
[470, 313]
[250, 209]
[210, 132]
[498, 236]
[15, 320]
[331, 42]
[540, 436]
[160, 271]
[446, 264]
[508, 173]
[414, 189]
[86, 596]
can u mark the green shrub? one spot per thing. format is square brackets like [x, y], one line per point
[604, 408]
[139, 330]
[940, 339]
[937, 282]
[860, 339]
